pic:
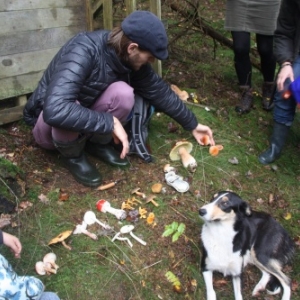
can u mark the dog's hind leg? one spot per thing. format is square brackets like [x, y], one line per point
[208, 279]
[236, 280]
[273, 286]
[261, 285]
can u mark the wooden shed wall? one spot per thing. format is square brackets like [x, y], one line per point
[31, 33]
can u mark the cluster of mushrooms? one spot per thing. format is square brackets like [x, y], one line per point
[47, 266]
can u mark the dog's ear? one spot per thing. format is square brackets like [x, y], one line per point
[245, 209]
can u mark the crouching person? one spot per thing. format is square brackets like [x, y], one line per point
[14, 287]
[87, 93]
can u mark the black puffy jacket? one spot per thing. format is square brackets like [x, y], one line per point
[287, 33]
[82, 70]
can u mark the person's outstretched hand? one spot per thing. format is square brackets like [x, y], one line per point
[200, 131]
[13, 243]
[286, 72]
[120, 135]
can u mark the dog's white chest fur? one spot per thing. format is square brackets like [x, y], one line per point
[218, 238]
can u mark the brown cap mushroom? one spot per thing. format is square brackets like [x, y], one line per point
[156, 188]
[61, 239]
[181, 151]
[137, 192]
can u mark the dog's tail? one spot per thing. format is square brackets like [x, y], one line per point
[273, 286]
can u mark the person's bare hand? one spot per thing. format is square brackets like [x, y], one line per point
[285, 73]
[200, 131]
[13, 243]
[120, 135]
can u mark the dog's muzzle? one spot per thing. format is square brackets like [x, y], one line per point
[202, 212]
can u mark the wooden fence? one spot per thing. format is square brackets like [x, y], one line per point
[32, 32]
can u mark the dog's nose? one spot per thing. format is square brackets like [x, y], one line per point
[202, 211]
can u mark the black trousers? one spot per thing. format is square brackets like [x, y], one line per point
[241, 48]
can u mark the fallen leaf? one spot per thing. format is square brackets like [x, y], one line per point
[287, 216]
[63, 196]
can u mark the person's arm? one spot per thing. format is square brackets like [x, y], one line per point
[284, 38]
[12, 242]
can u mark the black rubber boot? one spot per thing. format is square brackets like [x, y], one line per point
[267, 93]
[278, 138]
[107, 153]
[77, 163]
[246, 101]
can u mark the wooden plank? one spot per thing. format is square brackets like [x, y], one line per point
[107, 15]
[21, 100]
[96, 5]
[19, 85]
[130, 6]
[155, 7]
[88, 15]
[21, 63]
[25, 20]
[11, 5]
[21, 42]
[12, 114]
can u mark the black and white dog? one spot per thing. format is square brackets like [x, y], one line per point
[233, 235]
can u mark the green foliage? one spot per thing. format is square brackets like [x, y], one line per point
[176, 229]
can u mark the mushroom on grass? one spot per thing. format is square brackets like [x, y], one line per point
[50, 261]
[104, 206]
[181, 151]
[81, 228]
[61, 239]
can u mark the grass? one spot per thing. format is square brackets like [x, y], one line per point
[104, 269]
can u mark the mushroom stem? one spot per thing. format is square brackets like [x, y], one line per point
[81, 228]
[66, 246]
[104, 206]
[187, 159]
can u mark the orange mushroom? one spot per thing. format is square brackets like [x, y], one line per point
[205, 140]
[214, 150]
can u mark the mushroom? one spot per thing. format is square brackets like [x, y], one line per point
[151, 199]
[156, 188]
[128, 229]
[181, 151]
[81, 228]
[61, 239]
[205, 140]
[126, 205]
[137, 192]
[40, 268]
[90, 218]
[49, 261]
[104, 206]
[214, 150]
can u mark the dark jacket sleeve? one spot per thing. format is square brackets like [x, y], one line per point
[152, 87]
[1, 237]
[285, 33]
[60, 107]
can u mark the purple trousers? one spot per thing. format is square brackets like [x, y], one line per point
[117, 99]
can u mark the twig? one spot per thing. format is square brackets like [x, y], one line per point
[179, 213]
[148, 266]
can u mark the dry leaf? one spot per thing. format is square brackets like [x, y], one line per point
[63, 196]
[287, 216]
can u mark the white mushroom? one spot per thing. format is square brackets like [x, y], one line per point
[50, 259]
[181, 151]
[81, 228]
[168, 168]
[40, 268]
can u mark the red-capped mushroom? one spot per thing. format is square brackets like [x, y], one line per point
[104, 206]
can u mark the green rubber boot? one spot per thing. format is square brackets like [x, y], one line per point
[106, 153]
[278, 138]
[77, 163]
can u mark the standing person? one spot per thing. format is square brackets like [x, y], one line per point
[87, 93]
[244, 17]
[14, 287]
[287, 52]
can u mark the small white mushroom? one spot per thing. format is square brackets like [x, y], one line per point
[81, 228]
[50, 259]
[40, 268]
